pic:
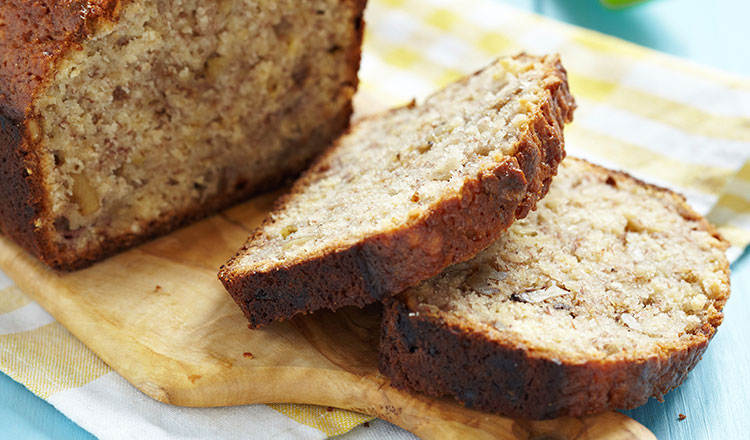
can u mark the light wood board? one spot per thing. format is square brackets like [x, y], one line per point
[158, 315]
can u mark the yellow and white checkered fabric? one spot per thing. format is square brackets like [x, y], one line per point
[662, 119]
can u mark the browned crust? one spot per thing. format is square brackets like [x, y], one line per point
[51, 29]
[439, 355]
[454, 230]
[424, 354]
[34, 36]
[20, 198]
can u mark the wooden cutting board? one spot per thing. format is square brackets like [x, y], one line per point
[158, 315]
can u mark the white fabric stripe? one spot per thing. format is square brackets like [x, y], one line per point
[692, 90]
[701, 202]
[542, 39]
[112, 409]
[4, 280]
[400, 84]
[29, 317]
[492, 16]
[663, 138]
[733, 253]
[453, 53]
[395, 26]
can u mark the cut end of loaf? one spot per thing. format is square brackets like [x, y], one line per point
[609, 293]
[180, 107]
[408, 192]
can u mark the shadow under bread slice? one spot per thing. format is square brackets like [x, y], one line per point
[408, 192]
[606, 295]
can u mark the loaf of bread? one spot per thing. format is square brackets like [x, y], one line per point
[606, 295]
[408, 192]
[122, 119]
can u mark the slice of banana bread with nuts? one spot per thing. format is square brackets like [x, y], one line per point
[408, 192]
[606, 295]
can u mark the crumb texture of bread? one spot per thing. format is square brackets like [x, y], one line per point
[167, 110]
[408, 192]
[605, 296]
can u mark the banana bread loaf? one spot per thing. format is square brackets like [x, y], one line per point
[408, 192]
[121, 119]
[606, 295]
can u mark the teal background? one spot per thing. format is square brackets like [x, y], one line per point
[715, 396]
[711, 32]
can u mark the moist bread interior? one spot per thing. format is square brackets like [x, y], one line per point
[181, 100]
[605, 268]
[392, 168]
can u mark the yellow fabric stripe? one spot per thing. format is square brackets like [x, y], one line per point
[401, 57]
[495, 43]
[598, 42]
[744, 172]
[11, 298]
[734, 202]
[332, 421]
[590, 88]
[48, 360]
[738, 237]
[732, 210]
[442, 19]
[685, 118]
[703, 178]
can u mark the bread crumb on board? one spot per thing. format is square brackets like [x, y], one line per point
[194, 377]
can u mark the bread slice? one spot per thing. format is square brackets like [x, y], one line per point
[408, 192]
[609, 293]
[120, 120]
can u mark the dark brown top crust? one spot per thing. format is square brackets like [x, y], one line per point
[440, 355]
[19, 198]
[35, 35]
[454, 230]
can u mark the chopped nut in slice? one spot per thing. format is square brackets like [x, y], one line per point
[539, 295]
[84, 195]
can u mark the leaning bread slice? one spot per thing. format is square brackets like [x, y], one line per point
[606, 295]
[408, 192]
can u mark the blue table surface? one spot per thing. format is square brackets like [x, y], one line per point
[715, 396]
